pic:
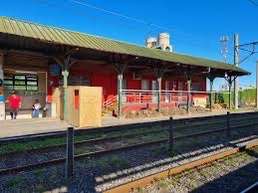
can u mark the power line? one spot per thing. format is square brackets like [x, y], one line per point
[83, 3]
[187, 37]
[253, 2]
[251, 51]
[124, 16]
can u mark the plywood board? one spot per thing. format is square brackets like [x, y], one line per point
[57, 99]
[84, 106]
[90, 106]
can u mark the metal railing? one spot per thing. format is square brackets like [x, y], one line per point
[173, 97]
[110, 102]
[158, 99]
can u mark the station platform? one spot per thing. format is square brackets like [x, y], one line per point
[25, 126]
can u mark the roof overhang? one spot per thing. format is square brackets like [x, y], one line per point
[20, 35]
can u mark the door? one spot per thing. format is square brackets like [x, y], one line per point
[180, 94]
[124, 86]
[154, 87]
[167, 98]
[145, 86]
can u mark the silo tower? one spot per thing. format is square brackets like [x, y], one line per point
[151, 42]
[164, 42]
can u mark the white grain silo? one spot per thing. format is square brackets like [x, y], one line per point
[151, 42]
[164, 42]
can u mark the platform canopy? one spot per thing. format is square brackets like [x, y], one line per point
[24, 35]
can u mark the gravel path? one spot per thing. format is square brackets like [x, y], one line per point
[228, 175]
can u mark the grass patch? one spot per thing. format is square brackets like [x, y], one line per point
[15, 181]
[49, 142]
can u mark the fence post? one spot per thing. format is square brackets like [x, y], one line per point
[69, 153]
[228, 123]
[171, 134]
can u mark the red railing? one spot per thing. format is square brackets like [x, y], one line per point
[177, 98]
[110, 102]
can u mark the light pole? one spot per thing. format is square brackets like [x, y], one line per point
[236, 63]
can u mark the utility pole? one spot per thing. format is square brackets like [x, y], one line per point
[224, 47]
[224, 50]
[236, 63]
[251, 49]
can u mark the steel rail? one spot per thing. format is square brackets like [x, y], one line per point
[151, 179]
[117, 137]
[87, 141]
[107, 129]
[251, 188]
[104, 152]
[76, 157]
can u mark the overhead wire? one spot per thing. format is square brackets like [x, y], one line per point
[253, 2]
[141, 21]
[188, 38]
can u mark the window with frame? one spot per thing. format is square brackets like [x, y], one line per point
[196, 86]
[22, 82]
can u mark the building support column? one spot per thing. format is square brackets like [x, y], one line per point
[65, 74]
[229, 92]
[1, 68]
[119, 94]
[2, 100]
[211, 79]
[188, 94]
[65, 62]
[120, 69]
[189, 82]
[230, 79]
[159, 80]
[159, 72]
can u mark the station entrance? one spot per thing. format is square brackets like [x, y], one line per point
[27, 75]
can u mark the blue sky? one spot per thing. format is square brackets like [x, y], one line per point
[195, 26]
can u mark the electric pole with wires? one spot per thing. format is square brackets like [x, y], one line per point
[250, 49]
[236, 63]
[224, 47]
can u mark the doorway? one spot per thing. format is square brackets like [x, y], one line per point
[30, 85]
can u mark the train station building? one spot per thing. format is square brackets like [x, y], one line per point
[41, 62]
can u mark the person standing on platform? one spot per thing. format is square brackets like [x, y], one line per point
[35, 109]
[15, 103]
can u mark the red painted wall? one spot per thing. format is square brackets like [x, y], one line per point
[107, 79]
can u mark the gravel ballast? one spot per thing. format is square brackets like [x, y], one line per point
[93, 172]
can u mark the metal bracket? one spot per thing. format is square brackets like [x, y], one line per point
[118, 65]
[159, 71]
[230, 79]
[66, 60]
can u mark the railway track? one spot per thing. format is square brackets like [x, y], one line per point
[97, 153]
[251, 189]
[119, 128]
[189, 135]
[181, 125]
[84, 179]
[179, 133]
[138, 185]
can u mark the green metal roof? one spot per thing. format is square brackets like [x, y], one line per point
[61, 36]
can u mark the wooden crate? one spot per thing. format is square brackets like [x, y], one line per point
[84, 106]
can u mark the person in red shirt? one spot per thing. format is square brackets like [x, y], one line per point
[14, 102]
